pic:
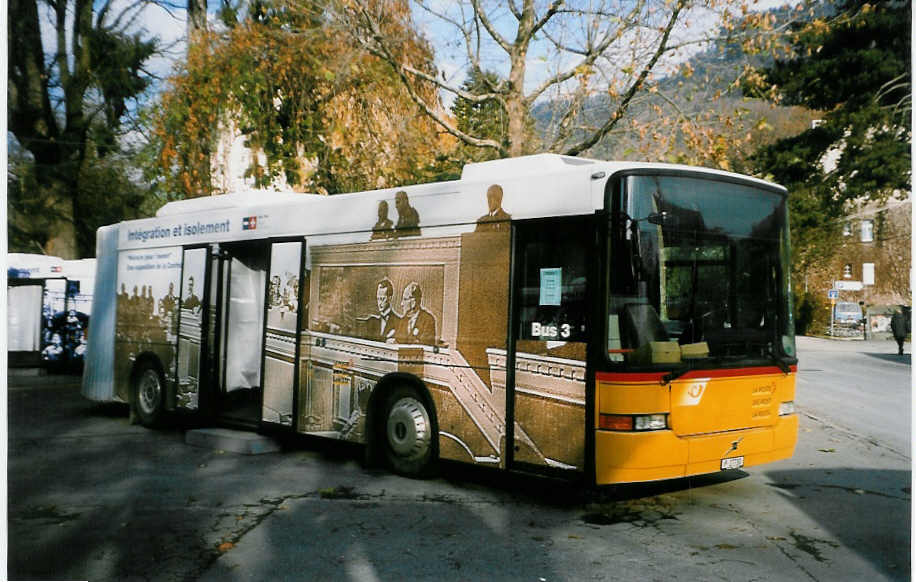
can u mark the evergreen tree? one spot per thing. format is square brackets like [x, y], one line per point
[855, 68]
[487, 119]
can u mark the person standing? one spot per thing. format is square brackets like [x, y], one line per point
[898, 328]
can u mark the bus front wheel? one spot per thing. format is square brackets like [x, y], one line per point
[408, 433]
[149, 395]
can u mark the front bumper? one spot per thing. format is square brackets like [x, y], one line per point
[627, 457]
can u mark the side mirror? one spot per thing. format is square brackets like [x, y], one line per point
[663, 218]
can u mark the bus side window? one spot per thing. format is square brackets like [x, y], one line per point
[552, 298]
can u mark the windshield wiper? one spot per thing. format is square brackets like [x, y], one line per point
[675, 374]
[777, 359]
[770, 353]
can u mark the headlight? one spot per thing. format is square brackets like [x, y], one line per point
[633, 422]
[651, 422]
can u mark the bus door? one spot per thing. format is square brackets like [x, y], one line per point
[286, 288]
[26, 321]
[236, 329]
[193, 317]
[546, 387]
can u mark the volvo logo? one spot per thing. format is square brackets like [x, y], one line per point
[733, 447]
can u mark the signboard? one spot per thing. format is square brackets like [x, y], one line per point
[849, 285]
[551, 286]
[833, 293]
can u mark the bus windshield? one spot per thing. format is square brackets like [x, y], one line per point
[699, 262]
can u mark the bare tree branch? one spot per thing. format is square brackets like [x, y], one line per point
[513, 8]
[380, 49]
[551, 11]
[491, 30]
[466, 33]
[618, 113]
[590, 58]
[475, 97]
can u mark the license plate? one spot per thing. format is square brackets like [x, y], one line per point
[732, 463]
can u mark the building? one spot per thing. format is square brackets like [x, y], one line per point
[870, 263]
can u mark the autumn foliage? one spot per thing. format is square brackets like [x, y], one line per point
[319, 114]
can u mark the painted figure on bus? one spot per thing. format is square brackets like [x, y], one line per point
[191, 301]
[274, 297]
[167, 304]
[54, 351]
[382, 326]
[383, 228]
[408, 217]
[80, 350]
[149, 303]
[290, 296]
[496, 219]
[141, 305]
[134, 302]
[417, 326]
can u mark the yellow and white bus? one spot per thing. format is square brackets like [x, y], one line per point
[607, 321]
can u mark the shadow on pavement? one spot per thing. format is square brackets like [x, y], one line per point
[868, 510]
[891, 357]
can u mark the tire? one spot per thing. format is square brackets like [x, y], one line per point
[407, 433]
[149, 394]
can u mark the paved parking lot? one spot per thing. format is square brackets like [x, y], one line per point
[92, 497]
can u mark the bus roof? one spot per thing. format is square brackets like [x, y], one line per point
[529, 187]
[34, 266]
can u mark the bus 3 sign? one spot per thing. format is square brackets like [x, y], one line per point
[833, 294]
[550, 331]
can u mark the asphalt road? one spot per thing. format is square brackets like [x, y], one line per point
[92, 497]
[862, 386]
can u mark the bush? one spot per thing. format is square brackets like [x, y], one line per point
[811, 313]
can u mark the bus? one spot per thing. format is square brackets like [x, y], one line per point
[609, 322]
[49, 301]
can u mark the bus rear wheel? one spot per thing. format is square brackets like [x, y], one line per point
[149, 395]
[408, 434]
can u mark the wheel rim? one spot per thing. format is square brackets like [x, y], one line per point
[408, 429]
[149, 392]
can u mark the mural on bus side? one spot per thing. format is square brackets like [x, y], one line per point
[435, 307]
[283, 313]
[63, 328]
[147, 311]
[408, 223]
[428, 301]
[190, 328]
[380, 303]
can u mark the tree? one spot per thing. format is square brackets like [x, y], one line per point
[59, 97]
[850, 64]
[854, 67]
[614, 48]
[317, 111]
[108, 192]
[487, 118]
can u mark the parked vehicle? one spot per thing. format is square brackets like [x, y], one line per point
[847, 313]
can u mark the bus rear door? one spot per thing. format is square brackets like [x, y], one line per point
[552, 259]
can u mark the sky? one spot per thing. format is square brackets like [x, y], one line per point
[169, 26]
